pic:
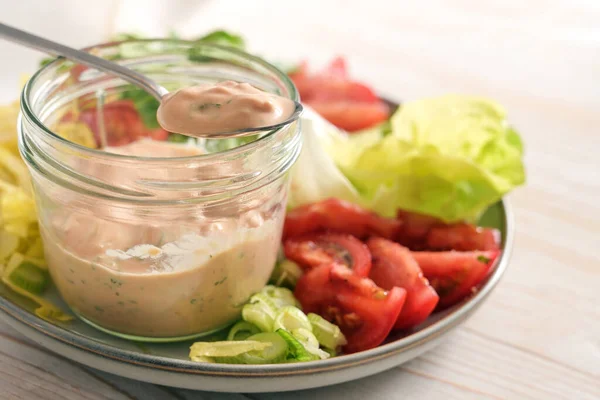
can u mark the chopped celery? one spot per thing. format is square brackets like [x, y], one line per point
[290, 318]
[30, 277]
[226, 348]
[276, 352]
[25, 283]
[266, 301]
[331, 352]
[18, 258]
[46, 310]
[242, 330]
[259, 315]
[281, 296]
[286, 273]
[26, 274]
[296, 351]
[310, 342]
[261, 311]
[329, 335]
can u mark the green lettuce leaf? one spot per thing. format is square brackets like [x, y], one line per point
[224, 38]
[450, 157]
[315, 176]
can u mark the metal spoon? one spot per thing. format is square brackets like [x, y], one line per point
[57, 49]
[142, 81]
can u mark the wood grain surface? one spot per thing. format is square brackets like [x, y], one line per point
[538, 335]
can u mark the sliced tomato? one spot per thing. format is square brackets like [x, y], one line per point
[423, 232]
[122, 123]
[337, 68]
[351, 115]
[393, 265]
[158, 134]
[335, 215]
[463, 237]
[455, 274]
[344, 102]
[364, 312]
[342, 90]
[314, 288]
[313, 250]
[415, 228]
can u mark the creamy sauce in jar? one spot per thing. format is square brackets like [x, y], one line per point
[226, 106]
[164, 280]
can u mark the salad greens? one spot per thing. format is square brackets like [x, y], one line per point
[286, 274]
[145, 103]
[450, 157]
[315, 176]
[273, 329]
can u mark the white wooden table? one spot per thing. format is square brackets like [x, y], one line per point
[538, 336]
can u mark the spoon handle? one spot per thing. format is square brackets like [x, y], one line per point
[57, 49]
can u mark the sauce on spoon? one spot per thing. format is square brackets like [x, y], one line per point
[226, 106]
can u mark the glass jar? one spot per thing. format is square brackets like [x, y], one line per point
[155, 248]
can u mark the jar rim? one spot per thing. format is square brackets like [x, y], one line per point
[27, 110]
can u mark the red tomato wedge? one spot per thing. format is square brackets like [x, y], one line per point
[122, 123]
[346, 103]
[340, 216]
[364, 312]
[422, 232]
[393, 265]
[463, 237]
[351, 115]
[415, 228]
[337, 68]
[454, 274]
[313, 250]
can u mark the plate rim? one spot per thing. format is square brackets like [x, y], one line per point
[421, 337]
